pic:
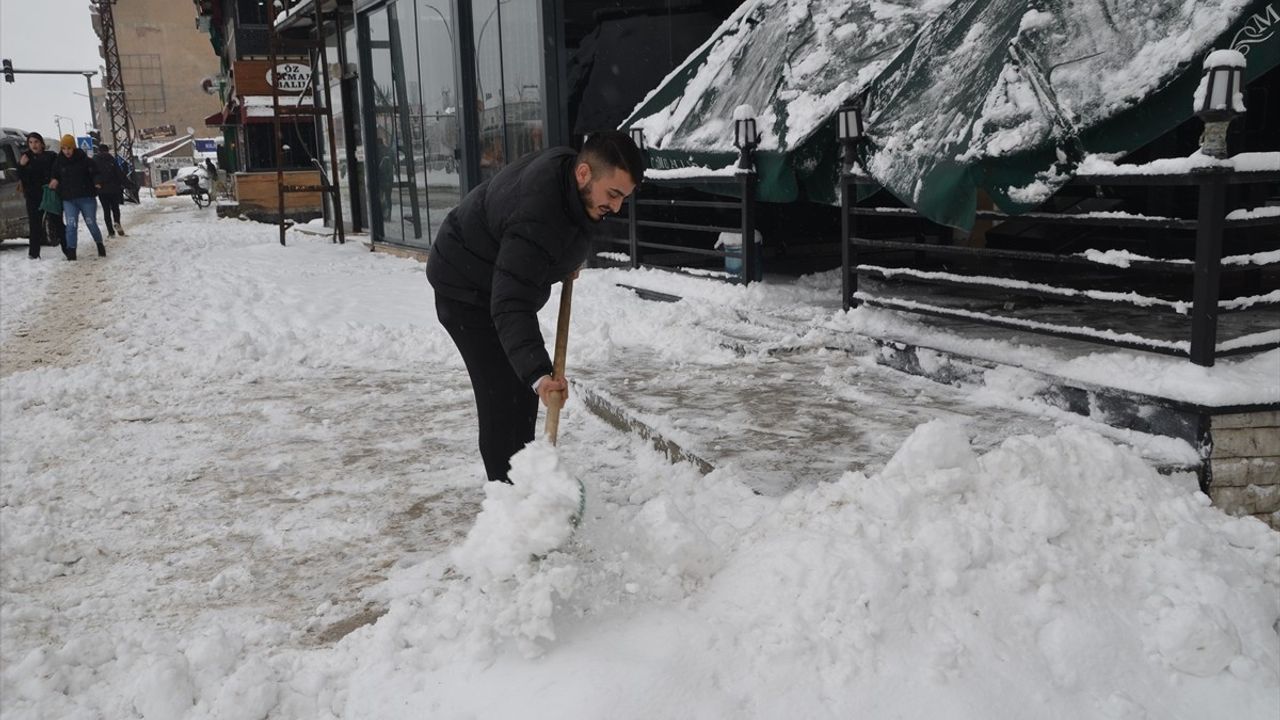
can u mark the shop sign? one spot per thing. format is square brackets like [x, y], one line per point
[290, 77]
[170, 162]
[160, 131]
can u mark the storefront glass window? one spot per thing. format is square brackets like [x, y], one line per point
[508, 80]
[339, 137]
[414, 180]
[390, 132]
[353, 177]
[522, 77]
[260, 146]
[437, 111]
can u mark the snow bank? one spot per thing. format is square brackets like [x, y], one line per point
[1054, 577]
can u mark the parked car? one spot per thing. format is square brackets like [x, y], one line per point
[13, 208]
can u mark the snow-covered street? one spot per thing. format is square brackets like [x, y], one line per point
[236, 479]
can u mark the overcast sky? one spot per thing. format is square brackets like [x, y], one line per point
[47, 35]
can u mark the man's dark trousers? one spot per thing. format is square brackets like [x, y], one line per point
[35, 225]
[111, 208]
[506, 405]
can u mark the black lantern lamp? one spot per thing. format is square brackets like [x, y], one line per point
[745, 135]
[850, 131]
[1219, 99]
[637, 137]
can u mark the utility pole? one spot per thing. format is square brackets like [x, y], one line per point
[10, 71]
[88, 85]
[113, 83]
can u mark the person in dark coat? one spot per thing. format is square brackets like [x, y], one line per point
[75, 177]
[111, 182]
[492, 266]
[35, 168]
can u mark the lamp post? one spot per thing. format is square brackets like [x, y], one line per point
[633, 213]
[59, 118]
[850, 132]
[1219, 99]
[745, 135]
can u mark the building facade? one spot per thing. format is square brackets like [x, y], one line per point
[431, 97]
[255, 79]
[164, 79]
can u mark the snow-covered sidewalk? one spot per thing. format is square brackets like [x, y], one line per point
[240, 488]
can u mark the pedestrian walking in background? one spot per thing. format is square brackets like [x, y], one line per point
[35, 168]
[111, 181]
[75, 179]
[493, 264]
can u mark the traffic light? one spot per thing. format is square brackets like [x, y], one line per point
[8, 70]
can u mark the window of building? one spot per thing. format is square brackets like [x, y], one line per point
[260, 146]
[144, 82]
[508, 81]
[252, 12]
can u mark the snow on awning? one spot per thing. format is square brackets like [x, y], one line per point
[167, 148]
[960, 96]
[296, 15]
[260, 106]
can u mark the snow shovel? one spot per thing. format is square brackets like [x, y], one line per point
[557, 373]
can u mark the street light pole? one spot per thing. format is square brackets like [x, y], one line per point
[59, 118]
[88, 83]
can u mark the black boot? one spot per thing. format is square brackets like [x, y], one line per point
[71, 253]
[102, 250]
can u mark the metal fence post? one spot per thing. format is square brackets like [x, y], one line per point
[848, 281]
[633, 228]
[1208, 269]
[749, 255]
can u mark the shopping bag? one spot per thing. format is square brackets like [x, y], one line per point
[50, 202]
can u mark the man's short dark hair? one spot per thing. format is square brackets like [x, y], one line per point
[37, 136]
[613, 149]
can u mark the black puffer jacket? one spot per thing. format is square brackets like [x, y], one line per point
[36, 173]
[110, 176]
[508, 242]
[76, 175]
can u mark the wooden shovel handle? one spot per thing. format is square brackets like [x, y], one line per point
[556, 400]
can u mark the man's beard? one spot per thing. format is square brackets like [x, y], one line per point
[585, 194]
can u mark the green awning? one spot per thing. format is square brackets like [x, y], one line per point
[996, 95]
[794, 62]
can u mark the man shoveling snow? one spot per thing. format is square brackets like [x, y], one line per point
[492, 267]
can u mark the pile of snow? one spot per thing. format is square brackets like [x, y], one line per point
[1054, 577]
[523, 520]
